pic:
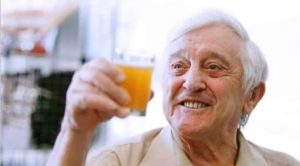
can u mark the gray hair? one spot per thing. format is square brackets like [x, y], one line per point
[254, 64]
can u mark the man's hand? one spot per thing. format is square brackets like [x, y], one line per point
[94, 96]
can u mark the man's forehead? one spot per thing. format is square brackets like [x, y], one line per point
[216, 36]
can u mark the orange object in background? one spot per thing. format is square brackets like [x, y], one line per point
[138, 84]
[37, 50]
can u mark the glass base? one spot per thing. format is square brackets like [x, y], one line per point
[138, 112]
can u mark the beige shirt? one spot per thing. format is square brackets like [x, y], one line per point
[157, 147]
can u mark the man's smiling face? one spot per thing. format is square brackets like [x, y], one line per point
[203, 91]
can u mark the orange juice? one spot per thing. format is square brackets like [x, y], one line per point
[137, 83]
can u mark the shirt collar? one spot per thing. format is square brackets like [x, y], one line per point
[161, 149]
[164, 148]
[248, 155]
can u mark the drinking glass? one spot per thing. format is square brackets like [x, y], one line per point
[138, 69]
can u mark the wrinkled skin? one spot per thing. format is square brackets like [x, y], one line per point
[93, 97]
[90, 101]
[204, 96]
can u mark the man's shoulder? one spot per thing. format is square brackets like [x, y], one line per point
[126, 151]
[273, 157]
[139, 142]
[254, 154]
[143, 138]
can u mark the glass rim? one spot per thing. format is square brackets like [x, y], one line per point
[134, 58]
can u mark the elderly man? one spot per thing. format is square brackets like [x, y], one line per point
[214, 76]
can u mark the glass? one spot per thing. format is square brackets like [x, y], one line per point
[138, 69]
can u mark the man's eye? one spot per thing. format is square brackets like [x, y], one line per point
[176, 66]
[214, 67]
[215, 70]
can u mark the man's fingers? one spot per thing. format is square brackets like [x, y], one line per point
[123, 112]
[109, 69]
[94, 95]
[90, 101]
[103, 107]
[102, 83]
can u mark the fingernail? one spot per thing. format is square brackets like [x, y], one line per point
[120, 78]
[125, 97]
[124, 112]
[113, 107]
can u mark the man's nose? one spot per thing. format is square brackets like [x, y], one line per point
[194, 80]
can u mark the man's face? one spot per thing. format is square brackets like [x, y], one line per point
[203, 91]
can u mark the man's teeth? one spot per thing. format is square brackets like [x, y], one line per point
[193, 104]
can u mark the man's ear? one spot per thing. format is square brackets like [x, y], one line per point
[254, 97]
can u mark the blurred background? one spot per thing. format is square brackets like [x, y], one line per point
[43, 42]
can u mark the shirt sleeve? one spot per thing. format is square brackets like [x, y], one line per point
[106, 158]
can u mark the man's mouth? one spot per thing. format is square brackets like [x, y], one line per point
[193, 104]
